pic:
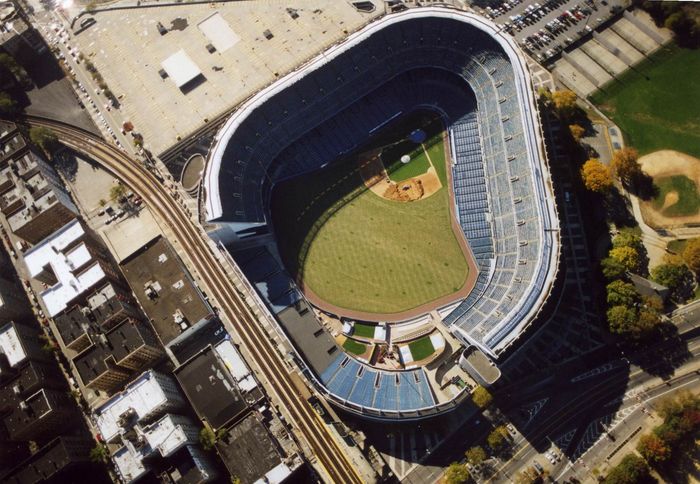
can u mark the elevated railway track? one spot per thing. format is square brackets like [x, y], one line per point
[238, 316]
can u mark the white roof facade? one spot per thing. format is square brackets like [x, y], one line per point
[143, 396]
[236, 366]
[10, 345]
[52, 253]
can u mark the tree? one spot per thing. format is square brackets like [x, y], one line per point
[627, 257]
[621, 293]
[481, 397]
[564, 102]
[8, 106]
[625, 165]
[621, 319]
[577, 131]
[44, 138]
[496, 438]
[631, 470]
[628, 237]
[677, 277]
[207, 438]
[456, 473]
[612, 268]
[691, 255]
[117, 191]
[527, 476]
[475, 455]
[653, 449]
[545, 95]
[99, 453]
[596, 176]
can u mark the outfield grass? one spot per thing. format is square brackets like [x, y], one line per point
[359, 251]
[657, 103]
[355, 347]
[363, 330]
[421, 348]
[688, 199]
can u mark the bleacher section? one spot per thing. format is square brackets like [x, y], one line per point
[366, 388]
[459, 65]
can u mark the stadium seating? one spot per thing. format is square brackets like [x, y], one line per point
[462, 72]
[369, 388]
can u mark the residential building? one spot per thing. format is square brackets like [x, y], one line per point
[145, 399]
[32, 195]
[64, 459]
[144, 446]
[39, 416]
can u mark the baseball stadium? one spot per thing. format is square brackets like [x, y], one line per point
[390, 203]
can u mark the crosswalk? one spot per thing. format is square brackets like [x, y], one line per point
[407, 448]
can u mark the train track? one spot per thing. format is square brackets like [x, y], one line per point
[240, 319]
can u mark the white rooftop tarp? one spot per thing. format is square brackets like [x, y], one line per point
[180, 68]
[219, 32]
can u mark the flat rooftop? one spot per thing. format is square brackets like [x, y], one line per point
[64, 253]
[479, 366]
[142, 396]
[211, 389]
[11, 345]
[253, 43]
[248, 438]
[164, 289]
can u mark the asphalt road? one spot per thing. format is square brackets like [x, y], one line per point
[573, 408]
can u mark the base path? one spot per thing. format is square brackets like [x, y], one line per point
[376, 178]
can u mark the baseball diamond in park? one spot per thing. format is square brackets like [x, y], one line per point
[400, 172]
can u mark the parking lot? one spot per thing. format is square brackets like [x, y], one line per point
[544, 29]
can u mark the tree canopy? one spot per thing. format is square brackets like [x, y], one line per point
[621, 319]
[496, 439]
[612, 268]
[677, 277]
[596, 176]
[456, 473]
[44, 138]
[564, 102]
[8, 106]
[482, 397]
[476, 455]
[625, 165]
[631, 470]
[577, 131]
[653, 449]
[621, 293]
[691, 255]
[628, 257]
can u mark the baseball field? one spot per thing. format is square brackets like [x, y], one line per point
[370, 232]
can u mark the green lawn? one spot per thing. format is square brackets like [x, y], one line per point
[421, 348]
[657, 104]
[363, 330]
[359, 251]
[677, 246]
[688, 200]
[354, 347]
